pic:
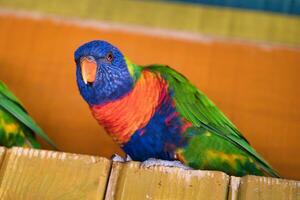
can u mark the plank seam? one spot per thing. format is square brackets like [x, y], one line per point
[108, 179]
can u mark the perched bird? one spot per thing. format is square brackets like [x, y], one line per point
[155, 112]
[17, 128]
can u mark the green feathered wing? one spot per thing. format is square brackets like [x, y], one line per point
[214, 142]
[17, 128]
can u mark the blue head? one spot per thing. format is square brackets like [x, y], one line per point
[102, 73]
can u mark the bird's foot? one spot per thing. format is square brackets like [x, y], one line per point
[118, 158]
[127, 158]
[167, 163]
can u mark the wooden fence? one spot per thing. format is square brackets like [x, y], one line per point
[40, 174]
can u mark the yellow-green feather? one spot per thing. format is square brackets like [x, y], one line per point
[17, 128]
[133, 69]
[209, 151]
[14, 133]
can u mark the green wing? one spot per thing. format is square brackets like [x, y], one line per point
[201, 112]
[9, 95]
[10, 104]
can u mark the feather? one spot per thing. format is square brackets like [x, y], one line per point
[12, 105]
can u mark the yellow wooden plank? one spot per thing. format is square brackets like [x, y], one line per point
[133, 181]
[39, 174]
[266, 188]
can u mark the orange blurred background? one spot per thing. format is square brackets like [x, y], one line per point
[255, 86]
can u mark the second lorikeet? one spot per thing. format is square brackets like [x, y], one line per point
[17, 128]
[155, 112]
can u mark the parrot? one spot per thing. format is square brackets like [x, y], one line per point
[17, 128]
[155, 112]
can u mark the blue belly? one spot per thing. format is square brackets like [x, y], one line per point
[159, 138]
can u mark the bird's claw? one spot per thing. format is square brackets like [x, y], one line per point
[118, 158]
[167, 163]
[127, 158]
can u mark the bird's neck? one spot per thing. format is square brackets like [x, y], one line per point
[122, 117]
[134, 70]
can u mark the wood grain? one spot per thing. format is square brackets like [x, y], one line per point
[133, 181]
[29, 174]
[265, 188]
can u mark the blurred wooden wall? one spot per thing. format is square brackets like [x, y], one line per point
[257, 87]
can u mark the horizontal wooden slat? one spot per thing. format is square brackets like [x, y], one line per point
[29, 174]
[133, 181]
[266, 188]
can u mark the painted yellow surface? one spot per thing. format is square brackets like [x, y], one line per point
[264, 188]
[29, 174]
[224, 22]
[133, 181]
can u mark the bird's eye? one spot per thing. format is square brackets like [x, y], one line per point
[109, 57]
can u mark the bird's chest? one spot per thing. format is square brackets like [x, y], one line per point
[144, 122]
[161, 137]
[123, 117]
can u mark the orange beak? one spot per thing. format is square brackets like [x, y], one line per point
[88, 70]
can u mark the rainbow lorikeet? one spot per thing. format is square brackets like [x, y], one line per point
[155, 112]
[17, 128]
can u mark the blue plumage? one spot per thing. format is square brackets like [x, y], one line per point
[113, 80]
